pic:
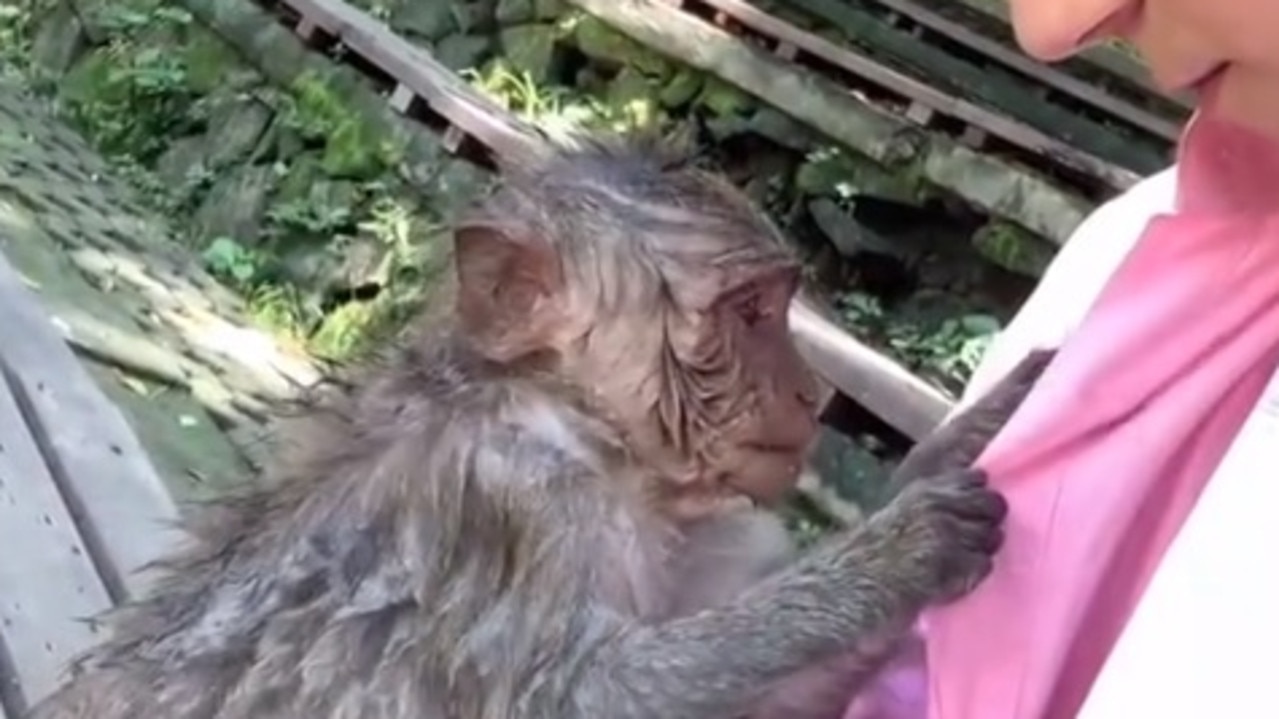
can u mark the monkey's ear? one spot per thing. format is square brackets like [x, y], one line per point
[507, 279]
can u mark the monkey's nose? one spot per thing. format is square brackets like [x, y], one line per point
[808, 396]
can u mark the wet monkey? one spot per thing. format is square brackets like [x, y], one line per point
[534, 508]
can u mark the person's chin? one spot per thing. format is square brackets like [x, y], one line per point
[1243, 97]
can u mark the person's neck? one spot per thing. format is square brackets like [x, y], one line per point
[1227, 162]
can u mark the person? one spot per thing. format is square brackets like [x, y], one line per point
[1137, 577]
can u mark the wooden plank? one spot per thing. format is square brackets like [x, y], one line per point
[48, 582]
[125, 514]
[973, 137]
[919, 113]
[1022, 195]
[1103, 57]
[874, 381]
[453, 138]
[306, 29]
[1014, 131]
[413, 67]
[402, 99]
[1043, 73]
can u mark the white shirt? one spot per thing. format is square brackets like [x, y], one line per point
[1201, 643]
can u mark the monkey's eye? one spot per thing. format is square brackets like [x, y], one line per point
[752, 310]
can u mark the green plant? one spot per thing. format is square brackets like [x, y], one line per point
[16, 19]
[950, 349]
[319, 116]
[133, 95]
[306, 217]
[230, 260]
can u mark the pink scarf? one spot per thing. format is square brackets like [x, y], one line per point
[1108, 455]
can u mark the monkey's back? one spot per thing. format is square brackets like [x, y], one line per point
[419, 551]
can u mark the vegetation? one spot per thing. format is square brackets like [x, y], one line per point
[296, 204]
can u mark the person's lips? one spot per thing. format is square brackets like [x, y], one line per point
[1205, 83]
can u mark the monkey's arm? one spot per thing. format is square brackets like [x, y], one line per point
[960, 441]
[850, 597]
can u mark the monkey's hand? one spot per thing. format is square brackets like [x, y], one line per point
[959, 442]
[943, 532]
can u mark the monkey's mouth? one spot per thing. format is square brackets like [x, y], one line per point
[768, 472]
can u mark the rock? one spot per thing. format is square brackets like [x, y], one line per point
[362, 262]
[59, 40]
[722, 99]
[88, 79]
[782, 129]
[451, 184]
[1014, 248]
[94, 14]
[461, 52]
[334, 194]
[236, 205]
[600, 42]
[303, 173]
[212, 64]
[548, 9]
[632, 92]
[681, 88]
[353, 151]
[309, 263]
[848, 235]
[429, 21]
[236, 127]
[473, 16]
[831, 171]
[515, 12]
[530, 48]
[851, 470]
[182, 162]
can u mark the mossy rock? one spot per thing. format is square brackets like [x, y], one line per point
[473, 16]
[851, 470]
[88, 80]
[184, 159]
[236, 205]
[548, 9]
[515, 12]
[211, 64]
[59, 40]
[530, 48]
[355, 151]
[681, 88]
[304, 171]
[832, 171]
[1014, 248]
[633, 94]
[429, 21]
[723, 99]
[463, 52]
[600, 42]
[236, 125]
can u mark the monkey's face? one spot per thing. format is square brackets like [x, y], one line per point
[708, 385]
[662, 294]
[748, 403]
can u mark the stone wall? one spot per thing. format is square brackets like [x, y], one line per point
[308, 196]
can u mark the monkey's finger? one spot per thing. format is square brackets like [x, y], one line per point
[981, 537]
[965, 576]
[981, 503]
